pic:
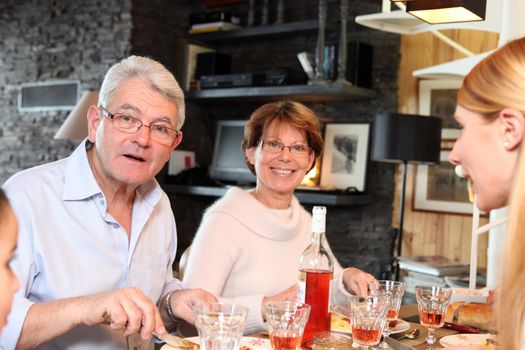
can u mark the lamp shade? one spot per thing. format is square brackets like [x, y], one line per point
[407, 138]
[75, 126]
[447, 11]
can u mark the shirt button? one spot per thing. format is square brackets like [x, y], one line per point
[100, 195]
[101, 202]
[116, 225]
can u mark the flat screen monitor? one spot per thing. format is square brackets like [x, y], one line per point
[228, 158]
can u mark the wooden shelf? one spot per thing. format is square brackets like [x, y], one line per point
[313, 197]
[308, 93]
[261, 32]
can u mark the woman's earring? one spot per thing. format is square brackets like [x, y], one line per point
[506, 144]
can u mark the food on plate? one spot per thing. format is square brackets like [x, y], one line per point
[476, 315]
[244, 347]
[392, 324]
[340, 323]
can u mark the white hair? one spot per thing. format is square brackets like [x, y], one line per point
[154, 72]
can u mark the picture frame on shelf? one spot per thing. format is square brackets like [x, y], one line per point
[438, 98]
[437, 188]
[345, 156]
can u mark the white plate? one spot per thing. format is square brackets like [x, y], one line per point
[253, 343]
[465, 339]
[401, 326]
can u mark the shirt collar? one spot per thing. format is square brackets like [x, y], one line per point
[80, 183]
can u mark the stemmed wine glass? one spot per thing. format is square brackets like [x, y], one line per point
[432, 303]
[368, 316]
[394, 291]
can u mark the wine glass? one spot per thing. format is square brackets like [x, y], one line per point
[432, 303]
[368, 315]
[394, 291]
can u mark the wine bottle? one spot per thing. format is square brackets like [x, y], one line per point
[316, 268]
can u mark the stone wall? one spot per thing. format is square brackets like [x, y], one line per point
[79, 39]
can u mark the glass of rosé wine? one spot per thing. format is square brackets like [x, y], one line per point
[286, 321]
[432, 303]
[394, 291]
[368, 316]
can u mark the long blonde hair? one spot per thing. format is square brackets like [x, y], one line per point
[511, 296]
[496, 83]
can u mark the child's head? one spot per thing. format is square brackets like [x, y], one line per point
[8, 235]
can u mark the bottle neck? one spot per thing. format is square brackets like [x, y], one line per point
[318, 238]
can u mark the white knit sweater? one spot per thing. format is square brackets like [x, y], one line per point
[244, 251]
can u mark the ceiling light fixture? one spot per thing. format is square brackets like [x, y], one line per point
[447, 11]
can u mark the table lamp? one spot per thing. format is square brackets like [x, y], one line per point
[75, 126]
[405, 138]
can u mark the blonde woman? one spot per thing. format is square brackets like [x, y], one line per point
[491, 109]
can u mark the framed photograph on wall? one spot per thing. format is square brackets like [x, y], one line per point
[438, 98]
[345, 156]
[438, 188]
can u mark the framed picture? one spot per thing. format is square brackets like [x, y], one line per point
[345, 156]
[438, 188]
[438, 98]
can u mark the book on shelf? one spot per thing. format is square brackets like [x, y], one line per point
[214, 16]
[212, 27]
[435, 265]
[307, 63]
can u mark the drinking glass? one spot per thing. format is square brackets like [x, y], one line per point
[394, 291]
[220, 326]
[432, 303]
[368, 315]
[286, 321]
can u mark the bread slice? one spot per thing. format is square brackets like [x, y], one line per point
[451, 315]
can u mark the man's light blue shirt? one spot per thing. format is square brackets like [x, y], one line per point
[69, 245]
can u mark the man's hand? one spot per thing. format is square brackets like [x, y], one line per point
[356, 281]
[126, 309]
[183, 300]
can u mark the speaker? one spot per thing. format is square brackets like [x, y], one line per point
[359, 64]
[48, 95]
[212, 63]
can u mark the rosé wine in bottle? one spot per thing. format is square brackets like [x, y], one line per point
[316, 268]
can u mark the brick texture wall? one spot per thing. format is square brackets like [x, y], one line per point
[79, 39]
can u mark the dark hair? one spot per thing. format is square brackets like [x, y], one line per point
[292, 113]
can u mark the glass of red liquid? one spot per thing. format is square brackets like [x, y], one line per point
[286, 321]
[432, 303]
[368, 316]
[394, 291]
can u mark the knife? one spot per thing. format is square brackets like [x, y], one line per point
[177, 342]
[460, 328]
[397, 345]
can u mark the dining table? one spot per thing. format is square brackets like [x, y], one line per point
[407, 312]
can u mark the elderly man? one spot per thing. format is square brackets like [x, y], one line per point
[97, 234]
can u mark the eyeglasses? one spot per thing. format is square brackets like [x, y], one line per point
[158, 131]
[274, 146]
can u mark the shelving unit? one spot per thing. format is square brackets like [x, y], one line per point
[309, 93]
[324, 198]
[260, 32]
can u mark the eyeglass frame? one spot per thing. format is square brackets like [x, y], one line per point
[283, 146]
[140, 123]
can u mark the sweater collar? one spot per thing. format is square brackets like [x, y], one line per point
[276, 224]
